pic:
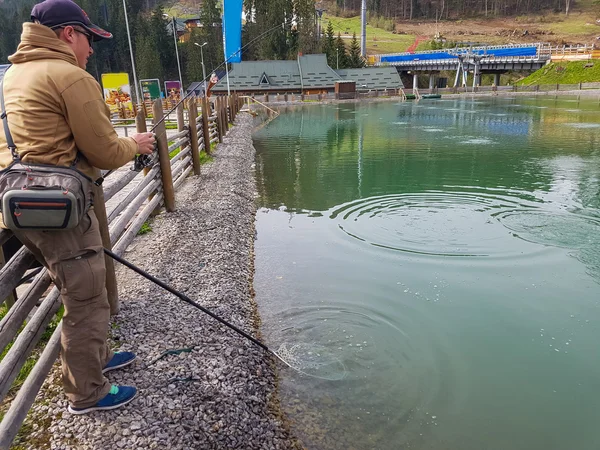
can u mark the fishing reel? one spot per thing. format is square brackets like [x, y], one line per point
[146, 161]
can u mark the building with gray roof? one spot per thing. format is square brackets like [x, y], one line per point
[308, 74]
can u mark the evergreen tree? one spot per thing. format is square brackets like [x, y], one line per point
[147, 59]
[355, 59]
[274, 19]
[328, 46]
[341, 58]
[307, 34]
[250, 32]
[160, 35]
[211, 32]
[193, 57]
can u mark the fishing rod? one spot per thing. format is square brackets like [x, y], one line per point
[188, 300]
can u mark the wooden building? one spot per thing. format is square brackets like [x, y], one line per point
[308, 74]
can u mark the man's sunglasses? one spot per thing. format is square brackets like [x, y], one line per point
[89, 37]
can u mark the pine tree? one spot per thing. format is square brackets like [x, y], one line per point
[274, 19]
[160, 34]
[307, 34]
[355, 59]
[211, 32]
[329, 45]
[341, 58]
[193, 57]
[147, 58]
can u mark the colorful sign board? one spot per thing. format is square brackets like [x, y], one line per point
[173, 90]
[117, 90]
[150, 89]
[232, 30]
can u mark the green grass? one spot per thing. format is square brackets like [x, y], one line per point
[174, 152]
[171, 125]
[205, 158]
[575, 23]
[378, 39]
[146, 228]
[564, 73]
[32, 359]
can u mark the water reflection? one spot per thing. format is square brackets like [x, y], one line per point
[447, 254]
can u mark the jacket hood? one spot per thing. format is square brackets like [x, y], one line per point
[39, 42]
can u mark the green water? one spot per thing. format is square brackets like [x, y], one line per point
[444, 258]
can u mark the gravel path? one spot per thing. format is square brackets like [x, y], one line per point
[221, 394]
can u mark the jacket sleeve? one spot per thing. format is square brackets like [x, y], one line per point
[89, 119]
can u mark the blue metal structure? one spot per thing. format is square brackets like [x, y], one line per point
[497, 52]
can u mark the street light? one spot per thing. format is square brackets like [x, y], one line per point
[176, 53]
[135, 82]
[203, 70]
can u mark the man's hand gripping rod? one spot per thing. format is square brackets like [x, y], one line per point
[146, 161]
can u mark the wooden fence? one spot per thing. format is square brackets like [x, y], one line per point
[30, 313]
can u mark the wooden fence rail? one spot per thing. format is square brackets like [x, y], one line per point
[140, 195]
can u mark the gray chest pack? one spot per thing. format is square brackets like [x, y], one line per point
[41, 196]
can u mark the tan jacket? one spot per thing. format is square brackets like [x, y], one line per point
[55, 108]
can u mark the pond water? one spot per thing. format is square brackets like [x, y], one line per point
[445, 256]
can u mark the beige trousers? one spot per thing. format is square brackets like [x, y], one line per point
[75, 259]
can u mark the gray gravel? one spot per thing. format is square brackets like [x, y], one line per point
[223, 393]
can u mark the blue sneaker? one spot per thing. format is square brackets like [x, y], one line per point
[116, 397]
[120, 359]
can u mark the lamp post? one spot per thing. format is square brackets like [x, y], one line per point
[135, 81]
[337, 57]
[176, 53]
[203, 69]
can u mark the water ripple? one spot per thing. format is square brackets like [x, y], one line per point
[430, 223]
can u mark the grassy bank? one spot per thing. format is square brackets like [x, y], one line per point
[565, 73]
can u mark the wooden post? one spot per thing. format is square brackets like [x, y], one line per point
[180, 121]
[227, 108]
[225, 115]
[111, 278]
[217, 113]
[218, 117]
[141, 127]
[10, 300]
[205, 129]
[163, 155]
[192, 116]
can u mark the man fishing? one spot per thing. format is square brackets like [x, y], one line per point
[56, 115]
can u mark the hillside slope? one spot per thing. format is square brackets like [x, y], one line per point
[565, 73]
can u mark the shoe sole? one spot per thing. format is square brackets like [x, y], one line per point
[99, 408]
[125, 364]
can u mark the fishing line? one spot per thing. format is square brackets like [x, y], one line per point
[301, 358]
